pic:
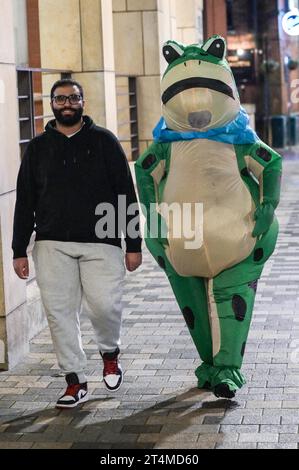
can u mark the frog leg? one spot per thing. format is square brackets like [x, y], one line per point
[191, 296]
[230, 310]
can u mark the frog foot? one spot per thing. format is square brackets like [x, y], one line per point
[222, 390]
[206, 386]
[223, 381]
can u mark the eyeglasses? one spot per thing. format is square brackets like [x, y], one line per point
[62, 99]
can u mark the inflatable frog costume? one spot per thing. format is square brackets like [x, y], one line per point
[205, 155]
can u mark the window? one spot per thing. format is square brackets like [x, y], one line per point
[230, 17]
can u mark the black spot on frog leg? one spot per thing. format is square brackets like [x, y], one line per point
[149, 161]
[239, 307]
[189, 317]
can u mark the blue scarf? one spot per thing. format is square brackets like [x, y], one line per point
[236, 132]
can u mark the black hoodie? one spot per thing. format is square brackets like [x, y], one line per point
[61, 182]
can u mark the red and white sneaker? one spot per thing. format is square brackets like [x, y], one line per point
[112, 373]
[75, 393]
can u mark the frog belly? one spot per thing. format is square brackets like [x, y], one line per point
[205, 171]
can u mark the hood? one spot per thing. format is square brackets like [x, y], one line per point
[51, 126]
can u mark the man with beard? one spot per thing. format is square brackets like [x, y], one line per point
[66, 173]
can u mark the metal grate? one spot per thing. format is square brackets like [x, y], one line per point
[30, 100]
[128, 115]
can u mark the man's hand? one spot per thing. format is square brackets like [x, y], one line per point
[133, 261]
[21, 267]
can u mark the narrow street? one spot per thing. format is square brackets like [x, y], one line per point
[158, 405]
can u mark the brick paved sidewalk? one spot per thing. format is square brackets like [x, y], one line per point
[158, 405]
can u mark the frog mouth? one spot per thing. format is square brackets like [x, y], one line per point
[196, 82]
[200, 119]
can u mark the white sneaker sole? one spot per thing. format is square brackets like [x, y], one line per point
[73, 405]
[113, 389]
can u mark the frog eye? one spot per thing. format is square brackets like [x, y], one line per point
[215, 47]
[172, 52]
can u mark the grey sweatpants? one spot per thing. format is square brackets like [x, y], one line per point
[64, 272]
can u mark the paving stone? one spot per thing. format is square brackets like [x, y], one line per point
[194, 428]
[277, 446]
[90, 445]
[154, 437]
[178, 445]
[39, 437]
[235, 445]
[52, 445]
[257, 437]
[289, 438]
[239, 428]
[213, 419]
[13, 391]
[280, 429]
[137, 445]
[232, 419]
[30, 428]
[8, 437]
[15, 445]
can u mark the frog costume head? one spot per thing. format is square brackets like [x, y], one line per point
[199, 92]
[200, 97]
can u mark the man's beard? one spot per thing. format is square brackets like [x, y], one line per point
[70, 119]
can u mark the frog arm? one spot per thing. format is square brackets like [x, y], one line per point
[266, 165]
[150, 169]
